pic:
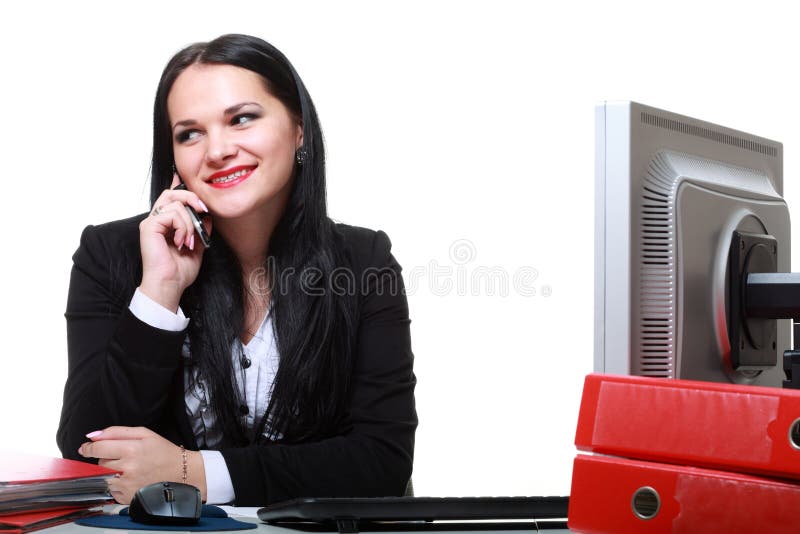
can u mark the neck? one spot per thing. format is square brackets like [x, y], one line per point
[249, 237]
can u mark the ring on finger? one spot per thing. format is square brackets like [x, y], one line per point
[158, 210]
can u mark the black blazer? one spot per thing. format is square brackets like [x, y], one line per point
[125, 372]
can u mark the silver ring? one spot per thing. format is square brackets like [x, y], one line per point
[156, 211]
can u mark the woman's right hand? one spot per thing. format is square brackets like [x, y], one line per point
[171, 255]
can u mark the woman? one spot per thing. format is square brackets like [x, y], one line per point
[276, 363]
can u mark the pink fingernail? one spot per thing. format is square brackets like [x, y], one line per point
[191, 242]
[205, 209]
[94, 434]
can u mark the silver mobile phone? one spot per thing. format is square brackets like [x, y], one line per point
[198, 224]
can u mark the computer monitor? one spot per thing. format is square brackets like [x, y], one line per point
[684, 209]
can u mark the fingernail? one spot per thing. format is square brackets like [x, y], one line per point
[94, 434]
[80, 450]
[191, 242]
[205, 209]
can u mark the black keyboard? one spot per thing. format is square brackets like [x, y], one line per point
[347, 513]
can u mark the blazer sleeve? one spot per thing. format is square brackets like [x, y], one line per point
[121, 370]
[374, 456]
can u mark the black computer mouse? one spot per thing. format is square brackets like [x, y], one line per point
[166, 503]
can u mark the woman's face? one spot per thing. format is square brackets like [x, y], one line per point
[234, 143]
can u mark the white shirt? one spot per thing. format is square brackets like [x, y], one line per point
[255, 382]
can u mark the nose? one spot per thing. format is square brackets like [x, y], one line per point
[219, 148]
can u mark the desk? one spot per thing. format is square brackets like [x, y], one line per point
[247, 515]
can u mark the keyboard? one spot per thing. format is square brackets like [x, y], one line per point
[347, 513]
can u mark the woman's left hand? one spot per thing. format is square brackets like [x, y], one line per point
[142, 456]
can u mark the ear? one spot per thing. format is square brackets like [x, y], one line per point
[298, 141]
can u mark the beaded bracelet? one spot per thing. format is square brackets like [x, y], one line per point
[185, 464]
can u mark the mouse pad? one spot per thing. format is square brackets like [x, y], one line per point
[212, 518]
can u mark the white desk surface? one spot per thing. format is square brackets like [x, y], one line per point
[249, 515]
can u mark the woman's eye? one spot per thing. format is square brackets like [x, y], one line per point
[243, 118]
[187, 135]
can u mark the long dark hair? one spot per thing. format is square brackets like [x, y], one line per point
[313, 325]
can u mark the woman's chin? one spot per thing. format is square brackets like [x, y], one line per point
[233, 212]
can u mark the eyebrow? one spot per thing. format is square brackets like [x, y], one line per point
[228, 111]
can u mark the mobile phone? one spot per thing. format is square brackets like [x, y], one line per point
[198, 224]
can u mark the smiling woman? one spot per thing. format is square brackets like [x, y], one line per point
[235, 143]
[242, 368]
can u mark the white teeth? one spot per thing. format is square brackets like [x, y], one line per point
[230, 177]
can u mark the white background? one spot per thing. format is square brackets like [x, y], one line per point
[444, 122]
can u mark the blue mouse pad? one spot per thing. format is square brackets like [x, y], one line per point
[211, 518]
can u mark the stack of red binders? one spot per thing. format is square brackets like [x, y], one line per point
[685, 456]
[38, 492]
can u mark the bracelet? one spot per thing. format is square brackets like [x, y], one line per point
[185, 463]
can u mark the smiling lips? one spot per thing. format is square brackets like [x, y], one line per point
[230, 177]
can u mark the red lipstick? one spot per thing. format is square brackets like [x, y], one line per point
[244, 172]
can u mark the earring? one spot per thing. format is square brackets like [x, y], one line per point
[300, 156]
[174, 170]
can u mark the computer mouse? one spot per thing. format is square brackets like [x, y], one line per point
[166, 503]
